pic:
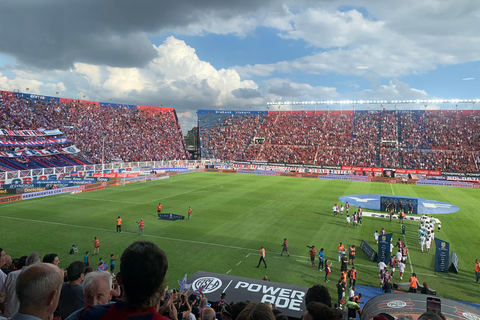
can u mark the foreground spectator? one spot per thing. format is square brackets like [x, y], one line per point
[71, 297]
[256, 311]
[38, 290]
[319, 311]
[318, 293]
[11, 301]
[142, 273]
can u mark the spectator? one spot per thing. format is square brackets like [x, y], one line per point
[51, 258]
[256, 311]
[71, 296]
[318, 293]
[38, 290]
[208, 314]
[11, 300]
[142, 273]
[319, 311]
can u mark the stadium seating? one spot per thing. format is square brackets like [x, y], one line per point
[432, 140]
[101, 132]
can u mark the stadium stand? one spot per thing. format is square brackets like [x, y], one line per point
[100, 131]
[426, 140]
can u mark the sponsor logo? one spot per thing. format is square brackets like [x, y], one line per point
[397, 304]
[10, 199]
[281, 297]
[211, 284]
[470, 316]
[4, 191]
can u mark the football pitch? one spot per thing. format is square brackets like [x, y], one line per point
[233, 215]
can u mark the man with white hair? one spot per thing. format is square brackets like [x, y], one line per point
[96, 291]
[38, 290]
[11, 302]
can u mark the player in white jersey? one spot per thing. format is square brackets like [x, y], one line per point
[401, 268]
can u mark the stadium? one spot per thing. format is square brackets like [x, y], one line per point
[62, 187]
[239, 160]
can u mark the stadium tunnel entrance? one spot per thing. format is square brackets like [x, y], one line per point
[425, 206]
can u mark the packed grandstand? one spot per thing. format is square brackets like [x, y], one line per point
[38, 132]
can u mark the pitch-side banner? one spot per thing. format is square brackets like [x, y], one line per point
[29, 133]
[384, 247]
[39, 153]
[48, 142]
[288, 298]
[442, 250]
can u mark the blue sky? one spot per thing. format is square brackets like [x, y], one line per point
[194, 55]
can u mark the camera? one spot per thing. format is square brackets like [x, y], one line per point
[310, 247]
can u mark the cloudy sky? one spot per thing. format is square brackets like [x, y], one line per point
[194, 54]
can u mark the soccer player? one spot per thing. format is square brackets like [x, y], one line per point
[375, 236]
[341, 209]
[404, 254]
[262, 257]
[189, 213]
[439, 224]
[285, 247]
[381, 267]
[119, 224]
[348, 221]
[159, 208]
[313, 253]
[335, 210]
[401, 269]
[347, 207]
[392, 263]
[141, 225]
[400, 244]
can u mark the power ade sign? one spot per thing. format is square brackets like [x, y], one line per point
[289, 299]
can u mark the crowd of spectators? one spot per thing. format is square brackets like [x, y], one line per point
[32, 286]
[103, 133]
[447, 141]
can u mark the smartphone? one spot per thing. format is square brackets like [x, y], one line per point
[434, 305]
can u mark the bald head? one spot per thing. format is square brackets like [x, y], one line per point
[38, 289]
[208, 314]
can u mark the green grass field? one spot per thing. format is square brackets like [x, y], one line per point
[233, 215]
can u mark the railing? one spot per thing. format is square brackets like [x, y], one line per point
[99, 167]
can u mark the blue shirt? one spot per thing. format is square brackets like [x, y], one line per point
[320, 256]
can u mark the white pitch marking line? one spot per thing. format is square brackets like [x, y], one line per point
[408, 254]
[229, 271]
[392, 189]
[247, 255]
[239, 263]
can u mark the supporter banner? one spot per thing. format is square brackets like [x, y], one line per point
[96, 179]
[442, 249]
[289, 299]
[461, 174]
[200, 112]
[21, 133]
[384, 247]
[35, 97]
[362, 169]
[39, 153]
[453, 262]
[170, 216]
[61, 140]
[414, 171]
[344, 177]
[368, 250]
